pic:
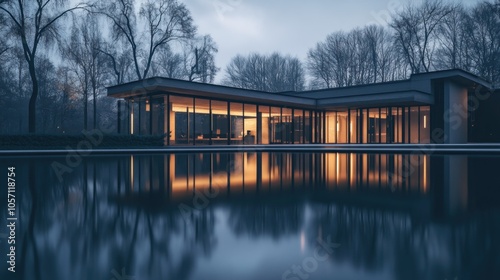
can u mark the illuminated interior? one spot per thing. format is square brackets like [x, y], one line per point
[399, 112]
[187, 120]
[249, 172]
[379, 125]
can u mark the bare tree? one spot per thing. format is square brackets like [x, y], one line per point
[483, 39]
[69, 104]
[194, 62]
[453, 51]
[273, 73]
[83, 54]
[415, 30]
[48, 99]
[361, 56]
[320, 67]
[169, 64]
[117, 61]
[34, 22]
[4, 47]
[154, 25]
[200, 59]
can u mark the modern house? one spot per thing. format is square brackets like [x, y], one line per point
[451, 106]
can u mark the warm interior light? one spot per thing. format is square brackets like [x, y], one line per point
[425, 121]
[148, 107]
[132, 172]
[338, 126]
[350, 127]
[425, 173]
[131, 122]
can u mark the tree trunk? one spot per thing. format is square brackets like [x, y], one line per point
[95, 109]
[33, 98]
[85, 110]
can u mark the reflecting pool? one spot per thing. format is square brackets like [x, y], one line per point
[255, 215]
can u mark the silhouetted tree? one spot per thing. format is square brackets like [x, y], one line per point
[416, 29]
[200, 59]
[272, 73]
[155, 24]
[31, 23]
[453, 51]
[169, 64]
[195, 62]
[482, 29]
[361, 56]
[82, 54]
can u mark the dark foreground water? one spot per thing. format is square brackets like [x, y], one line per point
[253, 216]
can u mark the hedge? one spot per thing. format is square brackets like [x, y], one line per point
[43, 141]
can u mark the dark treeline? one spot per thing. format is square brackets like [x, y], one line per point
[57, 59]
[435, 35]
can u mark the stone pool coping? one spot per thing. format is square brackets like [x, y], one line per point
[315, 148]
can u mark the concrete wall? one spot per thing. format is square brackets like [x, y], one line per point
[455, 113]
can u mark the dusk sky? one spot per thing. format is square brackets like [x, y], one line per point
[290, 27]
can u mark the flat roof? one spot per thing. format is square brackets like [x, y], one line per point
[417, 90]
[182, 87]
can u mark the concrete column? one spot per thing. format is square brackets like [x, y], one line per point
[455, 113]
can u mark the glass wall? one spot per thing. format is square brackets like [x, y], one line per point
[181, 120]
[331, 124]
[287, 126]
[144, 116]
[220, 122]
[236, 123]
[342, 127]
[397, 125]
[250, 124]
[158, 116]
[364, 125]
[353, 126]
[185, 120]
[264, 133]
[298, 126]
[307, 127]
[383, 125]
[414, 125]
[373, 126]
[379, 125]
[275, 123]
[202, 133]
[135, 116]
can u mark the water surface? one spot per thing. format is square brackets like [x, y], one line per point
[256, 216]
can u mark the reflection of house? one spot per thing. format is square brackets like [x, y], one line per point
[428, 108]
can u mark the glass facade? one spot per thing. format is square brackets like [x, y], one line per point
[185, 120]
[383, 125]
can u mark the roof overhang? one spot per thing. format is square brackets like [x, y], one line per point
[159, 85]
[418, 90]
[406, 98]
[457, 76]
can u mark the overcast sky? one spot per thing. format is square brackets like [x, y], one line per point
[287, 26]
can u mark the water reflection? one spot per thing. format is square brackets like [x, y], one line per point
[177, 174]
[395, 216]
